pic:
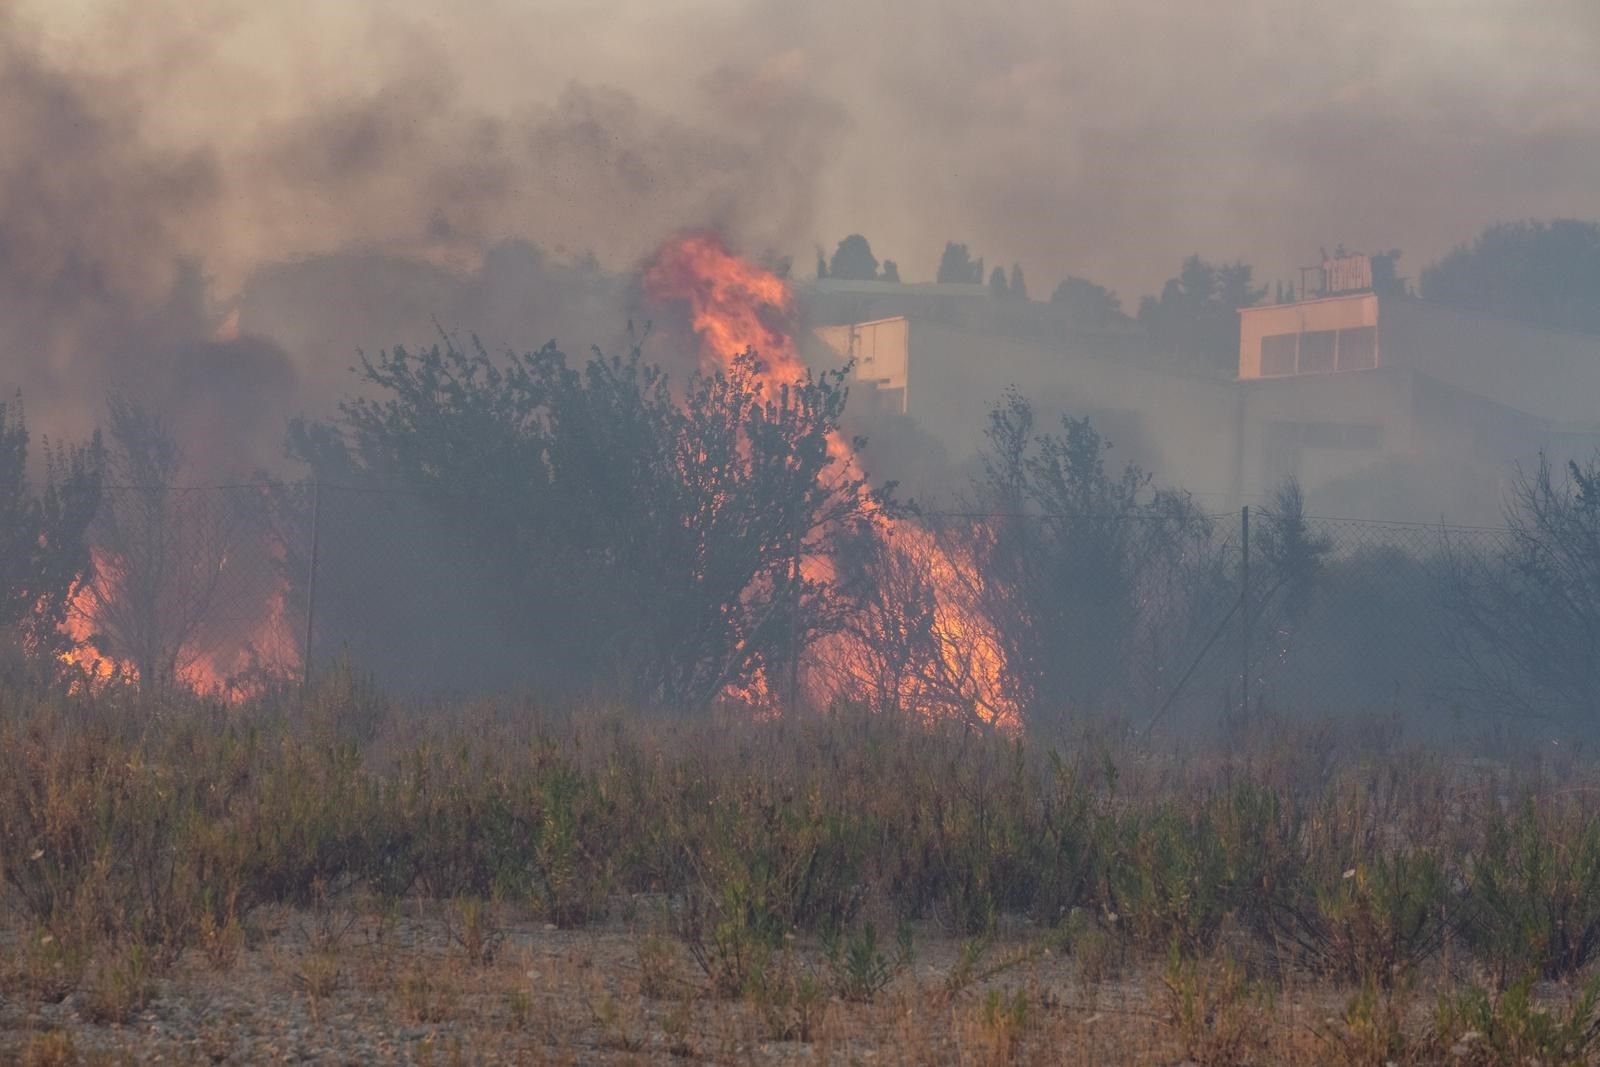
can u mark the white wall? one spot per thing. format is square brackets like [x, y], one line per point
[879, 349]
[1322, 402]
[1328, 313]
[1180, 427]
[1550, 374]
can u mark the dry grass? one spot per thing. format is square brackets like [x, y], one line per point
[501, 884]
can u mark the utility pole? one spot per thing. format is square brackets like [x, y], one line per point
[1244, 605]
[794, 620]
[311, 585]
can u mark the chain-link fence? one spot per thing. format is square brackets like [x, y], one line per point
[1362, 616]
[1165, 616]
[189, 586]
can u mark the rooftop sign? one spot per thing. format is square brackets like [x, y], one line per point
[1347, 274]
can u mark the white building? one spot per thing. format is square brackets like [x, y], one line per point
[1383, 406]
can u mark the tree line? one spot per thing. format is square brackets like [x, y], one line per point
[1540, 273]
[590, 528]
[589, 525]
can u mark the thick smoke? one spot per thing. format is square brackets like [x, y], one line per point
[149, 247]
[262, 188]
[98, 287]
[1109, 139]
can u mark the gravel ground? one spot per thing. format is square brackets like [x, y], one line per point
[343, 988]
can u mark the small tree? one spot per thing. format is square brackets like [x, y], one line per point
[164, 552]
[853, 260]
[44, 553]
[1293, 554]
[1525, 617]
[1018, 287]
[600, 527]
[957, 267]
[1290, 560]
[1073, 556]
[1091, 304]
[997, 283]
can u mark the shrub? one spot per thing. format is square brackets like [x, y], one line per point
[108, 841]
[1535, 887]
[1168, 881]
[1375, 898]
[1378, 920]
[1478, 1028]
[1372, 1033]
[121, 986]
[859, 971]
[1219, 1017]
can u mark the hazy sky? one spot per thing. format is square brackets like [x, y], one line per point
[1105, 138]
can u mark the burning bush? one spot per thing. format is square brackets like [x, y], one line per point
[595, 526]
[44, 554]
[621, 533]
[182, 586]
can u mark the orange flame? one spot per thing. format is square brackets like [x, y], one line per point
[93, 668]
[225, 668]
[218, 662]
[735, 306]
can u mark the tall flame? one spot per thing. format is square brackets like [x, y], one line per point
[735, 306]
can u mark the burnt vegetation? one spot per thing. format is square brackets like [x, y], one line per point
[620, 531]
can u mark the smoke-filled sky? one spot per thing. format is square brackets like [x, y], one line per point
[1106, 138]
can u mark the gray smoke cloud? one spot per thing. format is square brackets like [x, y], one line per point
[1110, 139]
[322, 177]
[219, 239]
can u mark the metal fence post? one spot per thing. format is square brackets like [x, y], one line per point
[794, 621]
[1244, 606]
[311, 583]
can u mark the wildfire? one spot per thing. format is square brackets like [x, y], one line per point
[94, 668]
[735, 306]
[211, 659]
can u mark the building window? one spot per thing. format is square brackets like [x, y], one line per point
[1316, 351]
[1277, 354]
[1358, 348]
[1319, 351]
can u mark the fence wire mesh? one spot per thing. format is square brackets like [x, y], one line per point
[1364, 616]
[1162, 615]
[190, 586]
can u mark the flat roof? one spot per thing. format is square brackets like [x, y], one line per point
[1332, 298]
